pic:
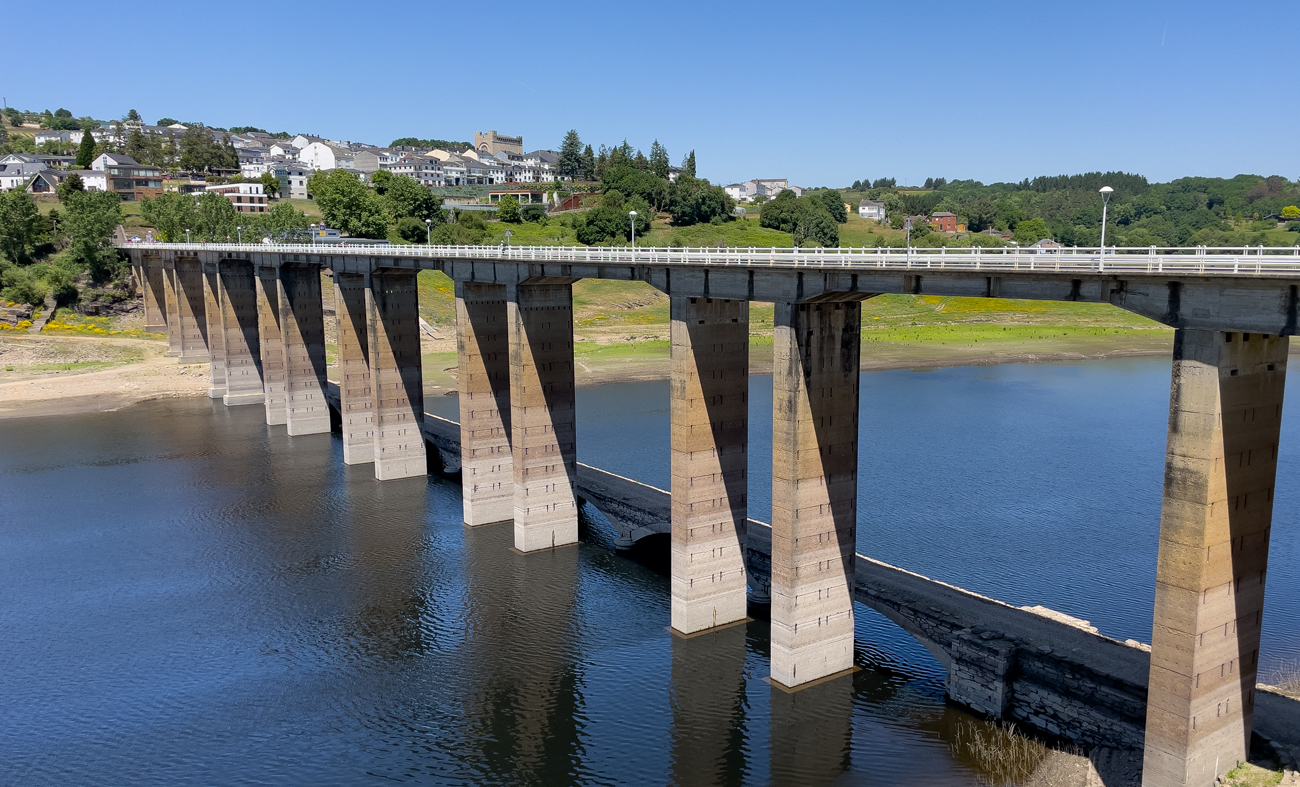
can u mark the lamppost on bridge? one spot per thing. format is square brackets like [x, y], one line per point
[1105, 192]
[240, 230]
[631, 215]
[187, 236]
[428, 224]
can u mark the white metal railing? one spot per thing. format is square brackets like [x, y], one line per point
[1188, 261]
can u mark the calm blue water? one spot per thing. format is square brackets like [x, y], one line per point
[191, 597]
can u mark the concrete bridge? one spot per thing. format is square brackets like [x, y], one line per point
[256, 313]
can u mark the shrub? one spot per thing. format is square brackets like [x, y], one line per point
[412, 230]
[20, 286]
[533, 212]
[508, 209]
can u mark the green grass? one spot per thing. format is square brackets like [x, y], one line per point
[307, 206]
[527, 233]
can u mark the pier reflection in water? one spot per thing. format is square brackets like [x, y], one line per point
[193, 598]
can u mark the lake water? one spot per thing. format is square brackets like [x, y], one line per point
[191, 597]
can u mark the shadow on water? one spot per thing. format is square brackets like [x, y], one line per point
[192, 597]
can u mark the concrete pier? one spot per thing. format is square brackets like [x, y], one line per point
[356, 404]
[814, 488]
[193, 321]
[395, 375]
[271, 343]
[302, 326]
[710, 438]
[152, 286]
[1225, 413]
[543, 439]
[243, 360]
[483, 360]
[212, 313]
[171, 307]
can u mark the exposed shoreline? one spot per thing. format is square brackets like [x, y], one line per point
[74, 390]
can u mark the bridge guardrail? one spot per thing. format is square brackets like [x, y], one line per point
[1193, 261]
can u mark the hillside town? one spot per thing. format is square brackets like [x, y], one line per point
[495, 159]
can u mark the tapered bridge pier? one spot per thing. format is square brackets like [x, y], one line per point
[256, 315]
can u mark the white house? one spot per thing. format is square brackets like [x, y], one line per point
[284, 150]
[426, 170]
[106, 160]
[50, 135]
[15, 176]
[871, 209]
[292, 176]
[324, 156]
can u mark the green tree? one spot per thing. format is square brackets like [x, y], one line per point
[570, 163]
[696, 201]
[282, 222]
[270, 184]
[170, 214]
[201, 151]
[588, 164]
[1031, 231]
[18, 225]
[780, 213]
[86, 151]
[980, 214]
[379, 181]
[350, 207]
[405, 196]
[69, 186]
[215, 219]
[533, 212]
[816, 228]
[688, 165]
[91, 219]
[659, 164]
[1291, 212]
[412, 230]
[136, 147]
[508, 209]
[133, 116]
[834, 202]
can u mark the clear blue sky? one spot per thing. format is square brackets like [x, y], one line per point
[824, 93]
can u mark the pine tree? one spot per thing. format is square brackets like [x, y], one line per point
[588, 164]
[570, 163]
[688, 165]
[86, 153]
[659, 160]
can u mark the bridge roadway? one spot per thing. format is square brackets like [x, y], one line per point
[255, 312]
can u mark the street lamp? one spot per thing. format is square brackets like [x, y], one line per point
[428, 224]
[240, 230]
[631, 215]
[187, 236]
[1105, 192]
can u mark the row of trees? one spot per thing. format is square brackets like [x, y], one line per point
[416, 142]
[364, 212]
[580, 162]
[211, 218]
[813, 219]
[1067, 208]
